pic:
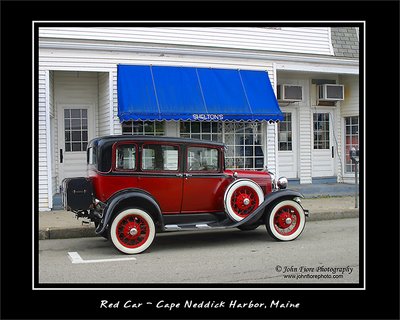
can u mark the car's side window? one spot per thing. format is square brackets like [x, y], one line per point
[202, 159]
[125, 157]
[159, 157]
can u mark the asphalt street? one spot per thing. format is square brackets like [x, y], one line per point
[327, 252]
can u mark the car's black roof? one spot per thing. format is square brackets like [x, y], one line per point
[111, 139]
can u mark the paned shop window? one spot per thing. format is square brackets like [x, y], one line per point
[285, 133]
[201, 130]
[351, 124]
[244, 145]
[76, 129]
[243, 141]
[147, 128]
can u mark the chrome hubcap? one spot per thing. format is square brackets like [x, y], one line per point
[288, 221]
[246, 201]
[133, 232]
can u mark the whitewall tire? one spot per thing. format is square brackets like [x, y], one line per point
[241, 198]
[132, 231]
[286, 220]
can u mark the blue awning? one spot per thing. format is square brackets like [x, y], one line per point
[183, 93]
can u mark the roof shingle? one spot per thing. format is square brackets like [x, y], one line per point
[345, 42]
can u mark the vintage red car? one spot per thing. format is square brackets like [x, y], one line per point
[140, 185]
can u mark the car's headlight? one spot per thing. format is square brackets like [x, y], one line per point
[282, 183]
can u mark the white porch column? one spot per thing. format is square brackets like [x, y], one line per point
[272, 148]
[305, 148]
[43, 144]
[115, 126]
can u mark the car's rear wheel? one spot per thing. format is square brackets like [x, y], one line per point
[241, 198]
[285, 221]
[132, 231]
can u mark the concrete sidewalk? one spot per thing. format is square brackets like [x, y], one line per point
[62, 224]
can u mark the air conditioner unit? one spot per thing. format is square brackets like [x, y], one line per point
[290, 92]
[330, 92]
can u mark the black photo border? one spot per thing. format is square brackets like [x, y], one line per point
[19, 300]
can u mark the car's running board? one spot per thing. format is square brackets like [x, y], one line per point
[226, 223]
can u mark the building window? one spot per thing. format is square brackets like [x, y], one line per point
[244, 145]
[351, 141]
[147, 128]
[201, 130]
[243, 141]
[76, 129]
[285, 133]
[321, 131]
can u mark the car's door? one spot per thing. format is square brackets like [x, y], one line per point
[204, 182]
[161, 174]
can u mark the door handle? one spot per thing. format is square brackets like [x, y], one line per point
[179, 175]
[187, 175]
[333, 152]
[61, 156]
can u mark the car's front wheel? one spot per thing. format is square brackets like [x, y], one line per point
[132, 231]
[241, 198]
[285, 221]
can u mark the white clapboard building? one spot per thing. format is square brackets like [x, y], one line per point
[93, 80]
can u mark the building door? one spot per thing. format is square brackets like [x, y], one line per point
[322, 144]
[75, 129]
[287, 145]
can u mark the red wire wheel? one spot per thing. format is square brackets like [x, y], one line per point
[244, 200]
[241, 198]
[286, 220]
[132, 231]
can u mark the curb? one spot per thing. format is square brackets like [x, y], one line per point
[332, 215]
[68, 233]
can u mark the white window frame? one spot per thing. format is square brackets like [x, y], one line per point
[287, 131]
[201, 133]
[223, 137]
[83, 142]
[345, 173]
[330, 142]
[143, 130]
[244, 145]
